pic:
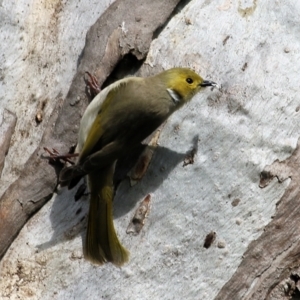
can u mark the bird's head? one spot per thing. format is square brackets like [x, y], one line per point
[182, 83]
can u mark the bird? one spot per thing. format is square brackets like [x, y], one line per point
[117, 120]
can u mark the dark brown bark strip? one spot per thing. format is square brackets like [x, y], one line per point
[271, 262]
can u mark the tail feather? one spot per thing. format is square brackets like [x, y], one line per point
[102, 243]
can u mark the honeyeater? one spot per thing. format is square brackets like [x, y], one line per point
[117, 120]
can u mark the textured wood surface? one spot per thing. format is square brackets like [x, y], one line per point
[241, 180]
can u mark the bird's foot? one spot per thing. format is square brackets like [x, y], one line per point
[55, 157]
[92, 85]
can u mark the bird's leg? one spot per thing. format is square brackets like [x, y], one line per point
[92, 85]
[70, 176]
[54, 156]
[144, 159]
[101, 158]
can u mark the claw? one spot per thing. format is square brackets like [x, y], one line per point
[92, 84]
[54, 156]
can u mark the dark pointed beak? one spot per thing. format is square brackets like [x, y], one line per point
[206, 83]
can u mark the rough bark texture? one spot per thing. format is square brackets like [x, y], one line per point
[270, 266]
[7, 126]
[224, 174]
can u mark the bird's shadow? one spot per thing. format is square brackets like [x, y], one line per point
[69, 217]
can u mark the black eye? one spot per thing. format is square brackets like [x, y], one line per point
[189, 80]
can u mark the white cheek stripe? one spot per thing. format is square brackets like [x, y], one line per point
[175, 96]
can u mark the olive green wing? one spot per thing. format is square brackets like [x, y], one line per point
[96, 130]
[110, 114]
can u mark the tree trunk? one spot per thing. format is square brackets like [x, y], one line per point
[222, 216]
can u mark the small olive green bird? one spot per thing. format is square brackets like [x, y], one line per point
[118, 119]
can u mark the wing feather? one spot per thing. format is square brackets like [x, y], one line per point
[96, 130]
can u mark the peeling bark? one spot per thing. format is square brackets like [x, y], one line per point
[7, 127]
[270, 263]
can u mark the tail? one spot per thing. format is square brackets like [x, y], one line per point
[102, 243]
